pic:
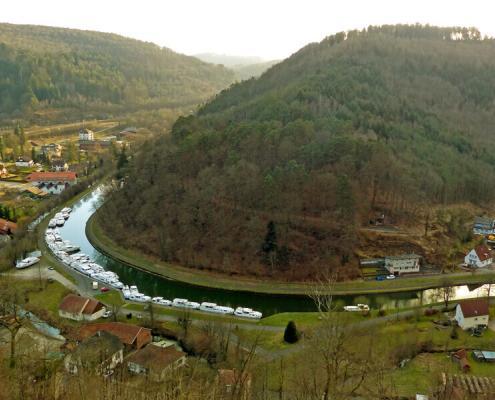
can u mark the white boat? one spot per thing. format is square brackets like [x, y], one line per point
[193, 305]
[60, 222]
[27, 262]
[52, 224]
[247, 313]
[67, 210]
[180, 303]
[157, 300]
[165, 302]
[359, 307]
[65, 216]
[225, 310]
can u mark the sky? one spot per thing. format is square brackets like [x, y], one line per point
[271, 29]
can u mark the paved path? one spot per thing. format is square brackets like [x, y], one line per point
[35, 272]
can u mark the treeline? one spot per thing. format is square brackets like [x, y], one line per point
[392, 119]
[42, 67]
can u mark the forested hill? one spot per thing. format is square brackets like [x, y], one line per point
[394, 119]
[43, 67]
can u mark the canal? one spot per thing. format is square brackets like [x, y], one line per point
[74, 230]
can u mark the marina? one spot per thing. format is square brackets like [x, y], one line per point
[69, 254]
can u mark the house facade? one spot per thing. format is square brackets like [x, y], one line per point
[53, 182]
[472, 313]
[86, 135]
[483, 226]
[479, 257]
[155, 362]
[402, 264]
[80, 308]
[23, 163]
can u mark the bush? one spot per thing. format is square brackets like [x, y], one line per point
[291, 335]
[382, 312]
[430, 311]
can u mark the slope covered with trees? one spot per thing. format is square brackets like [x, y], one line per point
[43, 67]
[276, 174]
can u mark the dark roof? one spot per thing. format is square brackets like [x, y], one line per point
[474, 308]
[127, 333]
[79, 305]
[483, 252]
[98, 347]
[155, 357]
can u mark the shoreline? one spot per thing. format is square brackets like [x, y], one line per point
[235, 283]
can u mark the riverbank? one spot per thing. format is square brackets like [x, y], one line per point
[190, 276]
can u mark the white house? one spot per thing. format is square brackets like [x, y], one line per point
[402, 264]
[53, 182]
[479, 257]
[472, 313]
[80, 308]
[23, 163]
[86, 135]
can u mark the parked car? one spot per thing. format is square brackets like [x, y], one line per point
[107, 314]
[104, 289]
[51, 268]
[380, 278]
[390, 276]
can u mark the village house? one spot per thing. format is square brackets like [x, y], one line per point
[52, 150]
[80, 308]
[233, 384]
[133, 337]
[155, 362]
[483, 226]
[86, 135]
[471, 314]
[403, 264]
[23, 163]
[53, 182]
[7, 227]
[59, 165]
[479, 257]
[3, 171]
[101, 354]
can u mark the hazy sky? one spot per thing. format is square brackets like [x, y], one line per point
[266, 28]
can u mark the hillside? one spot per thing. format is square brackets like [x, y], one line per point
[43, 67]
[276, 175]
[243, 72]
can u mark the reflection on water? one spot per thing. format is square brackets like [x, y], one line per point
[74, 230]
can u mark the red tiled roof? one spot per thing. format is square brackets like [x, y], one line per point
[127, 333]
[7, 226]
[156, 357]
[52, 176]
[474, 308]
[79, 305]
[483, 252]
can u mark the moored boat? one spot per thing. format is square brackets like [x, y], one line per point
[27, 262]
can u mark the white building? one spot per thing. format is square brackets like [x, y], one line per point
[402, 264]
[80, 308]
[86, 135]
[23, 163]
[53, 182]
[479, 257]
[472, 313]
